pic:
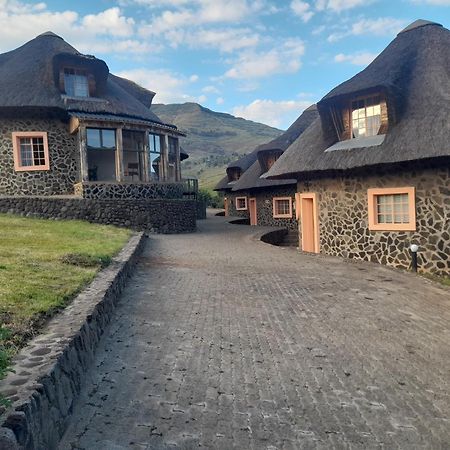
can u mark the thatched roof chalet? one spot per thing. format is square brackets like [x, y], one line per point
[245, 172]
[251, 178]
[412, 76]
[31, 77]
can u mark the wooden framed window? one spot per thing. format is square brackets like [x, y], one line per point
[241, 203]
[366, 116]
[392, 209]
[76, 83]
[282, 207]
[30, 151]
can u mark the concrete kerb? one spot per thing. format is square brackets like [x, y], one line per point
[48, 373]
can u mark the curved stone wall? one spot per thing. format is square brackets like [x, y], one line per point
[63, 154]
[343, 219]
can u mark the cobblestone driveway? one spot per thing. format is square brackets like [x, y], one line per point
[222, 342]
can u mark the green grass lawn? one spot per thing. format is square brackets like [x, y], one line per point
[43, 265]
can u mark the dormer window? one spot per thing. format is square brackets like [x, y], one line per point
[233, 174]
[366, 116]
[76, 82]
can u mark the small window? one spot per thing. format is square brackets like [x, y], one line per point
[392, 209]
[282, 207]
[366, 116]
[241, 203]
[30, 151]
[76, 83]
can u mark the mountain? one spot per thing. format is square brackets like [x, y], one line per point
[213, 139]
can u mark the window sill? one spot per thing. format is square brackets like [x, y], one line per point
[31, 168]
[392, 227]
[349, 144]
[282, 216]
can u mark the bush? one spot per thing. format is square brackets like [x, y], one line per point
[211, 198]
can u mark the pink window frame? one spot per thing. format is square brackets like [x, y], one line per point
[372, 206]
[16, 135]
[274, 209]
[237, 203]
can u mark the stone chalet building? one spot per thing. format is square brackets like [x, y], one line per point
[262, 201]
[79, 142]
[373, 171]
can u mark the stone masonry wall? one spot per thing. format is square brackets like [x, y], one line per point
[343, 219]
[156, 215]
[232, 211]
[99, 190]
[63, 154]
[264, 206]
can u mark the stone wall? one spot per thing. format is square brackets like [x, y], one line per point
[232, 211]
[264, 206]
[155, 215]
[343, 218]
[116, 190]
[64, 159]
[49, 372]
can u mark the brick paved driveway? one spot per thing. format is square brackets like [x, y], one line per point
[223, 342]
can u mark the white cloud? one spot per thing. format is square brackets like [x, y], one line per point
[273, 113]
[110, 22]
[382, 26]
[339, 5]
[282, 59]
[210, 90]
[220, 100]
[302, 10]
[358, 59]
[109, 31]
[169, 87]
[193, 78]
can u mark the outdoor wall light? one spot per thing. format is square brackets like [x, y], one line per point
[414, 248]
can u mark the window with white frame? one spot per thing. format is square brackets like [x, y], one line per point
[282, 207]
[30, 151]
[76, 82]
[241, 203]
[366, 116]
[392, 209]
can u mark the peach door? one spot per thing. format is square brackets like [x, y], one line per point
[225, 205]
[252, 208]
[309, 225]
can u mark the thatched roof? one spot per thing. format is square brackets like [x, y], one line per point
[29, 78]
[414, 74]
[251, 178]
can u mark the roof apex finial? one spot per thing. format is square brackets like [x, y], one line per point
[419, 23]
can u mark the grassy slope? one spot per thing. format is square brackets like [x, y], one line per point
[213, 139]
[34, 282]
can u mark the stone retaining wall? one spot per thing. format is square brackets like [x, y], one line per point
[49, 371]
[155, 215]
[107, 191]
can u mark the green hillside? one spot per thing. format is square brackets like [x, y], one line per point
[213, 139]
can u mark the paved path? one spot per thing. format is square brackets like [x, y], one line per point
[221, 342]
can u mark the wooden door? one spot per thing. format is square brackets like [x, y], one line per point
[309, 223]
[225, 205]
[252, 210]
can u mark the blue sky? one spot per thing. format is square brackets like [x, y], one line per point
[263, 60]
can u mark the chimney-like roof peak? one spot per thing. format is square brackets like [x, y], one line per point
[50, 34]
[419, 24]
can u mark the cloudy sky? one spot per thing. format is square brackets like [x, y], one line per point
[264, 60]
